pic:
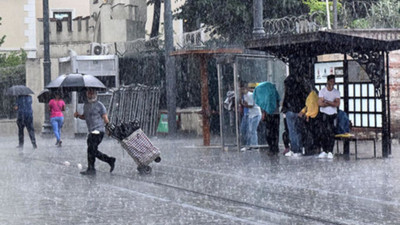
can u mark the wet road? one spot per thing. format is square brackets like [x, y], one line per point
[194, 185]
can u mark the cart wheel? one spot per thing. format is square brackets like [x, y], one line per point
[158, 159]
[147, 170]
[144, 169]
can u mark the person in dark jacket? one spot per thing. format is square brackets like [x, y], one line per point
[25, 119]
[293, 102]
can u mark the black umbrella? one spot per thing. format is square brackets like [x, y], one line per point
[46, 95]
[75, 82]
[17, 90]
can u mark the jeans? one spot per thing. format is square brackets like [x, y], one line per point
[252, 138]
[57, 123]
[295, 127]
[244, 130]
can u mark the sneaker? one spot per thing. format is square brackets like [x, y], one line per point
[56, 142]
[89, 172]
[34, 146]
[243, 149]
[59, 143]
[286, 151]
[322, 155]
[112, 164]
[297, 154]
[330, 155]
[289, 154]
[20, 146]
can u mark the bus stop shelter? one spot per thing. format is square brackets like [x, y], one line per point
[370, 48]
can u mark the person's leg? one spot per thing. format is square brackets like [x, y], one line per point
[293, 127]
[54, 124]
[253, 124]
[30, 128]
[275, 133]
[331, 133]
[95, 153]
[244, 130]
[21, 126]
[60, 123]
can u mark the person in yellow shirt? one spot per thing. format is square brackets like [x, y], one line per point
[311, 141]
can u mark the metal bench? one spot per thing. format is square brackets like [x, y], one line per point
[355, 139]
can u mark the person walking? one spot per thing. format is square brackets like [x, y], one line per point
[56, 107]
[24, 110]
[328, 101]
[96, 118]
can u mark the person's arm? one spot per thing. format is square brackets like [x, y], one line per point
[105, 118]
[77, 115]
[322, 102]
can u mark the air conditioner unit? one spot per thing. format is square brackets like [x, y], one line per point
[96, 49]
[99, 49]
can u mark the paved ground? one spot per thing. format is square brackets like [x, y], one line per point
[195, 185]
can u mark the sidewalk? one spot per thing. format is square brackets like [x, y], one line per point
[196, 185]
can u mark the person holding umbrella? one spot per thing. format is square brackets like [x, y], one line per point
[96, 117]
[23, 106]
[56, 107]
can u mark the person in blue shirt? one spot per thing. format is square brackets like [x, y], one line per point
[23, 107]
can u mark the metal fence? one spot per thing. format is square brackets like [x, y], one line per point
[136, 101]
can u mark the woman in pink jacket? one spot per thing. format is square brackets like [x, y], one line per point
[56, 107]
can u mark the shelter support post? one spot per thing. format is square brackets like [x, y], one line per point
[221, 106]
[385, 135]
[346, 143]
[237, 98]
[204, 101]
[388, 97]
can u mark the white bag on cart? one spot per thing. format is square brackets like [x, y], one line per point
[140, 148]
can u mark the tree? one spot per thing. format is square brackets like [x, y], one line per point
[232, 20]
[155, 27]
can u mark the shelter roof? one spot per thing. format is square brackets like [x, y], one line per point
[328, 42]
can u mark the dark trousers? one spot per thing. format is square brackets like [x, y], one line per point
[22, 122]
[93, 142]
[272, 131]
[327, 128]
[311, 136]
[285, 134]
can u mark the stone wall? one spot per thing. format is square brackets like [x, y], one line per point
[394, 64]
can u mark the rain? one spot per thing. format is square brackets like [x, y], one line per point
[199, 112]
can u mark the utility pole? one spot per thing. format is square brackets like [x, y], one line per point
[258, 27]
[46, 128]
[170, 73]
[335, 14]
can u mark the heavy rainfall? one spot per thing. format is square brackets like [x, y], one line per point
[199, 112]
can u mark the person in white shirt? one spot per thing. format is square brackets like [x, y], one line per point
[329, 101]
[250, 119]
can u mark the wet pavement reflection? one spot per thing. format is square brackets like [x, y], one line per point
[195, 185]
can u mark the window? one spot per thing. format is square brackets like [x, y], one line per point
[63, 16]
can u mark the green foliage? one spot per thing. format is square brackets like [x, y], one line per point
[232, 21]
[13, 59]
[316, 6]
[385, 14]
[360, 24]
